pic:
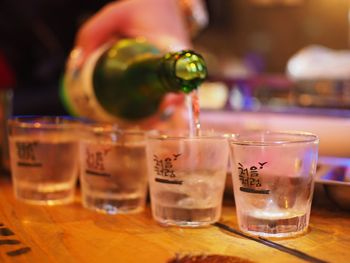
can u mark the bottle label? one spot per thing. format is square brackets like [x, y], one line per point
[78, 92]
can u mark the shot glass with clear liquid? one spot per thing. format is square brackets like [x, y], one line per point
[187, 178]
[113, 169]
[44, 158]
[273, 180]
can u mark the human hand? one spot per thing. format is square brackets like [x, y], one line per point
[161, 22]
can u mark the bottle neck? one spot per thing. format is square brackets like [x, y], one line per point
[182, 71]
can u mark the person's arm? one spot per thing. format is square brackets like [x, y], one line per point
[161, 22]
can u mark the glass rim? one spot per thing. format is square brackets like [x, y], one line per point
[43, 121]
[113, 128]
[183, 135]
[290, 137]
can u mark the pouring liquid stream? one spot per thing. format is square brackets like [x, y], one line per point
[193, 109]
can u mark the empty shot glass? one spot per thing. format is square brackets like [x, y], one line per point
[44, 158]
[187, 178]
[113, 169]
[273, 179]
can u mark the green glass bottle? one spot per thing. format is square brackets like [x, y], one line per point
[127, 81]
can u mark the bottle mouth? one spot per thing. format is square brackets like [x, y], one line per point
[190, 70]
[185, 69]
[190, 66]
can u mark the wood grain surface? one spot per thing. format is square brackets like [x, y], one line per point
[70, 233]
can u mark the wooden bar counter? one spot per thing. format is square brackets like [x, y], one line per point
[70, 233]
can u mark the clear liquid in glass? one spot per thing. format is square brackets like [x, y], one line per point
[113, 177]
[284, 212]
[196, 202]
[44, 169]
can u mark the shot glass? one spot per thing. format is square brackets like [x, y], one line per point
[113, 169]
[44, 158]
[273, 180]
[187, 178]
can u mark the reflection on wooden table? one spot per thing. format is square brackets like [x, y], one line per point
[70, 233]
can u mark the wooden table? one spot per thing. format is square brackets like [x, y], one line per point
[70, 233]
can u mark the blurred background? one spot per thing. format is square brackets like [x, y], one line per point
[272, 31]
[286, 61]
[247, 43]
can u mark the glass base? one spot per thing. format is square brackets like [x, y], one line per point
[44, 193]
[114, 206]
[185, 217]
[279, 228]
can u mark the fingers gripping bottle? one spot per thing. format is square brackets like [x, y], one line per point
[126, 82]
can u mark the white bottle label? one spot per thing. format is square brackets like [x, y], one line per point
[79, 92]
